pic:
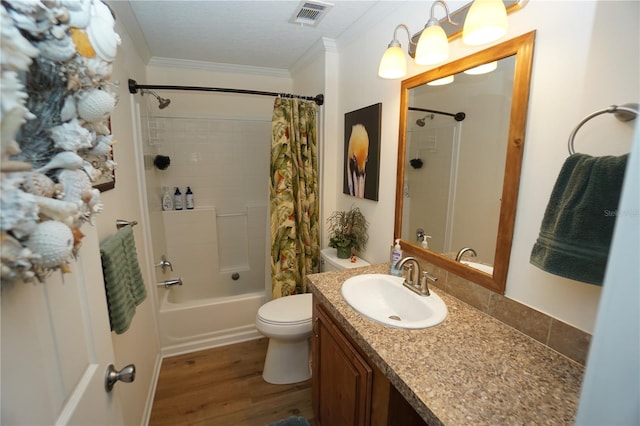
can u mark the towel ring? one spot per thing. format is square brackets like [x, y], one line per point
[626, 112]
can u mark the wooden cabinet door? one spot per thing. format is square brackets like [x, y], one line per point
[342, 379]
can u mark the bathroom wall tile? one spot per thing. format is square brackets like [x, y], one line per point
[533, 323]
[569, 341]
[468, 292]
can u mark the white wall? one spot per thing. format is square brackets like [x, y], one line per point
[586, 58]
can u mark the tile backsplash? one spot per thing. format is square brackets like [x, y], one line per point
[557, 335]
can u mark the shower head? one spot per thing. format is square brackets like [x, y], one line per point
[162, 102]
[421, 121]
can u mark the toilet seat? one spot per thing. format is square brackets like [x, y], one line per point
[289, 310]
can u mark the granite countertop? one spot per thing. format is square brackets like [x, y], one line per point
[469, 370]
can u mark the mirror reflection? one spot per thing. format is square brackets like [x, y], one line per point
[459, 159]
[454, 162]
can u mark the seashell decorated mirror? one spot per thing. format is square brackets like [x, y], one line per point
[56, 139]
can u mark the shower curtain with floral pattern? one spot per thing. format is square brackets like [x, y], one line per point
[294, 201]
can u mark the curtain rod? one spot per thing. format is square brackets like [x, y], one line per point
[459, 116]
[134, 86]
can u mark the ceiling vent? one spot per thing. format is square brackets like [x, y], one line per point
[310, 13]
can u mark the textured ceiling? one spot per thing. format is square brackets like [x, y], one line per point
[247, 33]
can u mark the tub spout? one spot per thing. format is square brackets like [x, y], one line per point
[170, 283]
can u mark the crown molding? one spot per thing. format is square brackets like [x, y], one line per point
[218, 67]
[319, 48]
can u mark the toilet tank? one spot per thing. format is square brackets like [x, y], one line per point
[329, 261]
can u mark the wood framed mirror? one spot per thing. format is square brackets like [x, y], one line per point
[494, 127]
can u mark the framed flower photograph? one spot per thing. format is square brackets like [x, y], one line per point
[362, 152]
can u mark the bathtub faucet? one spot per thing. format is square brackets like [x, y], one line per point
[170, 283]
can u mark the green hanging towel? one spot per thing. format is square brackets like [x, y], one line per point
[577, 227]
[123, 282]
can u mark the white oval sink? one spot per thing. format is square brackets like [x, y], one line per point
[384, 299]
[480, 267]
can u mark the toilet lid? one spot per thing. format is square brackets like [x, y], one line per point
[293, 309]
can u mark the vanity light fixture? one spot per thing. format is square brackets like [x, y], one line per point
[393, 63]
[433, 45]
[485, 21]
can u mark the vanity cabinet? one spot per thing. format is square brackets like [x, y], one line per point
[348, 389]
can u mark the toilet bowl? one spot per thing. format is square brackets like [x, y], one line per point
[286, 321]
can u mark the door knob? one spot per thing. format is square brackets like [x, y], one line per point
[127, 375]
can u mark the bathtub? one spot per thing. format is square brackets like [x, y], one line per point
[193, 325]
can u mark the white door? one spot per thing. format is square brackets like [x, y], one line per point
[56, 346]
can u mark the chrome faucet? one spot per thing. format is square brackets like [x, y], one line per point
[164, 264]
[463, 251]
[420, 287]
[170, 283]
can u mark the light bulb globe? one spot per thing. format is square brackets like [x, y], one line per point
[433, 46]
[393, 63]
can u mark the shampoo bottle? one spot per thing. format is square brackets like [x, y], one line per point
[189, 198]
[177, 199]
[396, 255]
[167, 199]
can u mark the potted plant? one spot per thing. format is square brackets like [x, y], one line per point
[347, 231]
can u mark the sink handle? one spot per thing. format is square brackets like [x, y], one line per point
[424, 282]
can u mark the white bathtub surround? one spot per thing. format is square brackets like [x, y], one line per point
[218, 248]
[199, 324]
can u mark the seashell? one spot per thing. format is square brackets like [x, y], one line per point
[10, 166]
[82, 43]
[68, 111]
[61, 14]
[39, 184]
[62, 160]
[27, 7]
[79, 12]
[53, 241]
[103, 145]
[71, 136]
[98, 127]
[19, 209]
[11, 249]
[103, 38]
[13, 113]
[95, 105]
[91, 171]
[59, 31]
[16, 50]
[57, 50]
[63, 211]
[37, 22]
[98, 69]
[16, 259]
[75, 183]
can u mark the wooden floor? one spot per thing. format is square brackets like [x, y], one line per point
[224, 386]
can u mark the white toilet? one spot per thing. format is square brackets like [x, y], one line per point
[286, 321]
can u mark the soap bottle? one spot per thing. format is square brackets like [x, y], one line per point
[189, 198]
[425, 241]
[396, 255]
[177, 199]
[167, 199]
